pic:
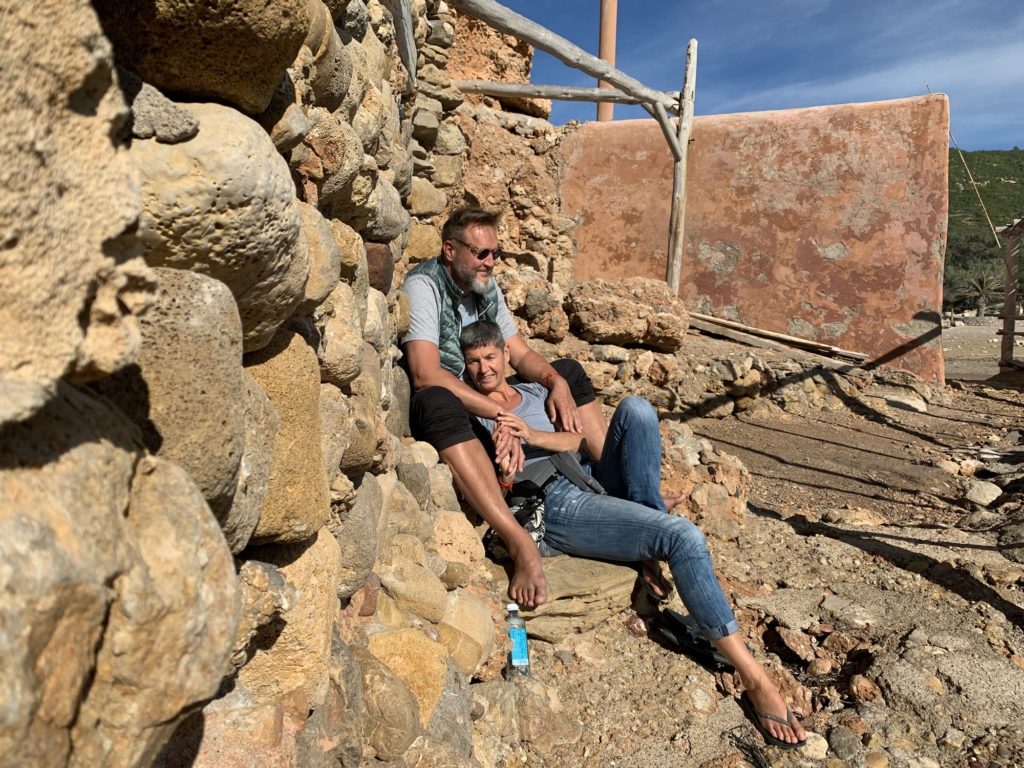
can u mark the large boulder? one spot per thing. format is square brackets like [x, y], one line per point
[324, 259]
[236, 52]
[185, 390]
[355, 529]
[637, 310]
[118, 602]
[297, 501]
[419, 661]
[340, 350]
[536, 300]
[293, 653]
[70, 280]
[171, 628]
[224, 204]
[391, 719]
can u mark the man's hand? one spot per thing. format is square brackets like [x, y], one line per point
[562, 409]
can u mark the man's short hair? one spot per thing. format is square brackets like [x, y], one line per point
[461, 218]
[482, 333]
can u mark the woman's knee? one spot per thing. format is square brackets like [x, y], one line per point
[638, 411]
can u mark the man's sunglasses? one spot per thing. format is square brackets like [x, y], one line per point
[480, 253]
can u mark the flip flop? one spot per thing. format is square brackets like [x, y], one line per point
[755, 716]
[682, 632]
[646, 572]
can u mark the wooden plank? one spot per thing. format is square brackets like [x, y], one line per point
[677, 220]
[670, 135]
[784, 338]
[555, 92]
[511, 23]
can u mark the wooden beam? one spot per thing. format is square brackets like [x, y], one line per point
[511, 23]
[670, 135]
[813, 346]
[406, 42]
[556, 92]
[677, 221]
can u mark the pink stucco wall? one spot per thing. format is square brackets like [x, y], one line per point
[826, 223]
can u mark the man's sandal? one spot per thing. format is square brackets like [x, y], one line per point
[755, 716]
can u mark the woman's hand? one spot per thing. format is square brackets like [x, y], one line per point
[515, 426]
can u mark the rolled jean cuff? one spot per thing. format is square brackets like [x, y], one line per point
[717, 633]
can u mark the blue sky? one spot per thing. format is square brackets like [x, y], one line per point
[778, 54]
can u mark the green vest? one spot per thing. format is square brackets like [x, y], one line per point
[450, 324]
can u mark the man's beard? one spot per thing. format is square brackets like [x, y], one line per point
[470, 278]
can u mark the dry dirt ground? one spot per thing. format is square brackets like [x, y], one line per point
[853, 504]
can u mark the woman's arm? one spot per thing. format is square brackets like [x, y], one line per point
[549, 441]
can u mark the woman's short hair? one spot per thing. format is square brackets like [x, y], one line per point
[482, 333]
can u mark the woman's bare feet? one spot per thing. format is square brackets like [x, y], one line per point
[766, 700]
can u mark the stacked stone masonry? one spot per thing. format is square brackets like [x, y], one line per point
[219, 545]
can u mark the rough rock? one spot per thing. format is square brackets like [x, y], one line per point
[297, 501]
[536, 300]
[154, 116]
[331, 735]
[170, 629]
[224, 204]
[455, 539]
[397, 419]
[424, 242]
[265, 596]
[378, 331]
[424, 199]
[380, 261]
[335, 426]
[238, 57]
[329, 159]
[470, 616]
[414, 588]
[324, 259]
[331, 65]
[185, 390]
[62, 542]
[340, 351]
[68, 310]
[419, 661]
[982, 493]
[405, 515]
[355, 529]
[581, 594]
[365, 402]
[261, 426]
[292, 652]
[635, 311]
[391, 720]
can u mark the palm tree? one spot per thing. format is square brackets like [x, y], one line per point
[982, 287]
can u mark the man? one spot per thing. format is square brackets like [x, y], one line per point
[454, 289]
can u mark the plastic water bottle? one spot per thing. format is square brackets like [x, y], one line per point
[519, 656]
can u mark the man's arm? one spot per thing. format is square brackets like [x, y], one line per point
[532, 367]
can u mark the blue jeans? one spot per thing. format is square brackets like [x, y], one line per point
[630, 523]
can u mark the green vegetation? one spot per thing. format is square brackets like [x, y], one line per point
[972, 258]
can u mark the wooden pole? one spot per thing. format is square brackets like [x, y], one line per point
[1010, 302]
[676, 236]
[606, 50]
[511, 23]
[558, 92]
[404, 38]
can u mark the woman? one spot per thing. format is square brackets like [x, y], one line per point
[630, 523]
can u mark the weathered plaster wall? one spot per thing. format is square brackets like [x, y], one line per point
[827, 223]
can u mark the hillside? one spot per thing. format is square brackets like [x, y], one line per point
[1000, 178]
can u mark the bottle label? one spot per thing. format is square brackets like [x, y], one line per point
[520, 654]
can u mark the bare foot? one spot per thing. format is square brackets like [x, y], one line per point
[674, 501]
[651, 573]
[767, 699]
[529, 586]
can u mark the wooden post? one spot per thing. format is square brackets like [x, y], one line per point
[1010, 302]
[404, 39]
[606, 50]
[676, 237]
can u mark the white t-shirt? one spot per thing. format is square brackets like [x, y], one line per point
[425, 311]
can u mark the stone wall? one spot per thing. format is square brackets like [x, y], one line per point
[825, 223]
